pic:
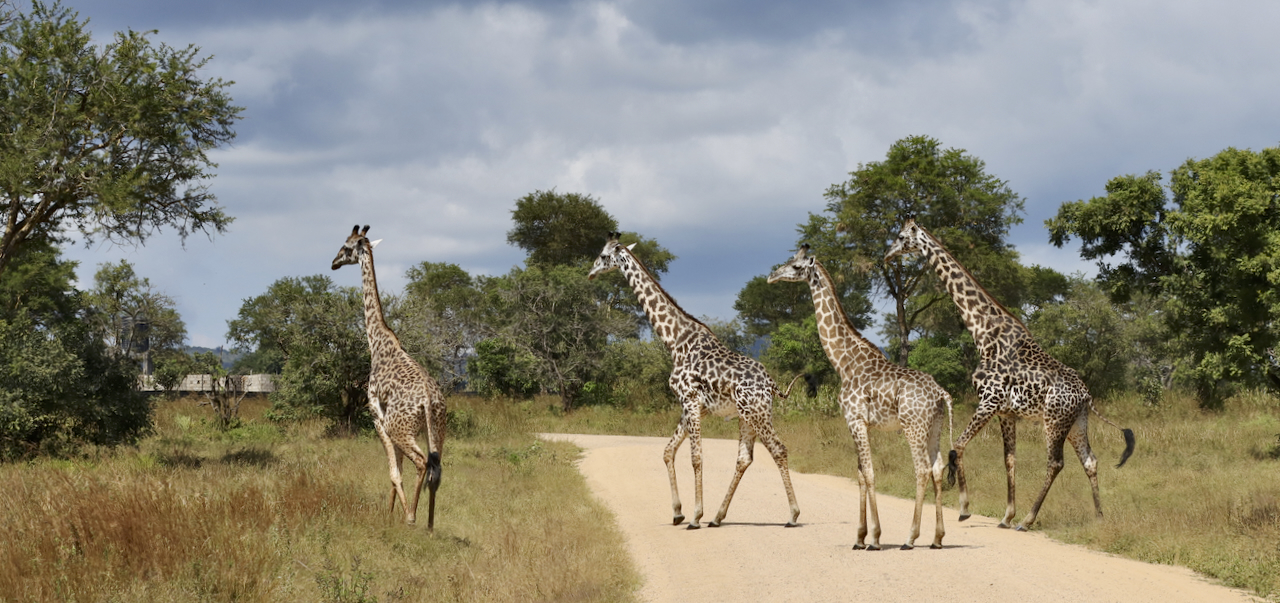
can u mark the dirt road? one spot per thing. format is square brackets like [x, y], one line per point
[753, 558]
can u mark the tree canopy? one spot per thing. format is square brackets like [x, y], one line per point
[1208, 244]
[112, 141]
[948, 192]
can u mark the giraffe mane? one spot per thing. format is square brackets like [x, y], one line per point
[964, 269]
[843, 317]
[658, 284]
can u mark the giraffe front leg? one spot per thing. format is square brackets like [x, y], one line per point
[695, 454]
[669, 457]
[869, 514]
[746, 446]
[989, 396]
[1009, 434]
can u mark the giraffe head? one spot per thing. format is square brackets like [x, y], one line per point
[355, 245]
[610, 257]
[798, 268]
[910, 240]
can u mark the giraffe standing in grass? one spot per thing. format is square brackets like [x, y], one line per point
[709, 378]
[403, 398]
[1015, 379]
[876, 393]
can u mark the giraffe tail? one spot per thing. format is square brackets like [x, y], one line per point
[1129, 441]
[813, 389]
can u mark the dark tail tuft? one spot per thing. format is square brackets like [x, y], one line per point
[812, 383]
[1129, 443]
[433, 471]
[951, 468]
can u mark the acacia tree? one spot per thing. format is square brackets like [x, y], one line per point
[112, 141]
[1208, 246]
[948, 192]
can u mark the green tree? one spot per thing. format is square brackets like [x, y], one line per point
[316, 329]
[501, 369]
[559, 228]
[554, 314]
[950, 193]
[568, 229]
[439, 319]
[1208, 246]
[39, 283]
[130, 315]
[112, 141]
[796, 348]
[1087, 333]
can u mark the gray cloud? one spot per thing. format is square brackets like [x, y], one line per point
[711, 126]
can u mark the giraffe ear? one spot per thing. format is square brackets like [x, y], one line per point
[373, 244]
[631, 247]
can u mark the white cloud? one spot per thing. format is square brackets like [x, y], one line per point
[428, 124]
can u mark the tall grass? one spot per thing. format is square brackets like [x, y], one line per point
[1202, 489]
[261, 513]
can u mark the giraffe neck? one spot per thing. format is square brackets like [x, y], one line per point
[381, 339]
[985, 318]
[846, 348]
[670, 323]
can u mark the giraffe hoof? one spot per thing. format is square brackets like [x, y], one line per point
[791, 524]
[859, 546]
[907, 547]
[873, 547]
[1003, 525]
[715, 523]
[936, 545]
[1021, 528]
[677, 520]
[693, 526]
[965, 516]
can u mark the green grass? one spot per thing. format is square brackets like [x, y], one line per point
[1202, 489]
[260, 513]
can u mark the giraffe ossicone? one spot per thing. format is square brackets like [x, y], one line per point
[708, 378]
[877, 394]
[1015, 379]
[403, 398]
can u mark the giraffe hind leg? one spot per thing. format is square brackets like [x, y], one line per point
[1056, 437]
[746, 449]
[779, 453]
[1079, 438]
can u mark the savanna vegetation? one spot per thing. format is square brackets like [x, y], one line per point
[271, 512]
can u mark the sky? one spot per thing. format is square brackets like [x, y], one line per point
[713, 127]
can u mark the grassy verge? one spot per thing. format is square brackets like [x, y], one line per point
[1202, 489]
[263, 514]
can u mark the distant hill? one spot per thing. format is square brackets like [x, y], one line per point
[229, 357]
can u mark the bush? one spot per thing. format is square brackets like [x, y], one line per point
[60, 387]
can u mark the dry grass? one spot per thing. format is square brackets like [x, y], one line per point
[1202, 489]
[261, 514]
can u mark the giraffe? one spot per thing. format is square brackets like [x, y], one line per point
[403, 398]
[1015, 379]
[876, 393]
[708, 378]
